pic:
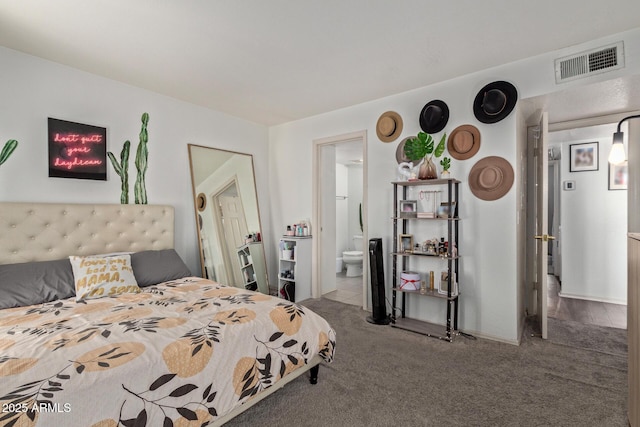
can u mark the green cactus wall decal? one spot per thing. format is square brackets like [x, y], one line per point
[141, 162]
[122, 169]
[9, 147]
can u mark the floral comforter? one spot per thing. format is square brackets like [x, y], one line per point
[180, 353]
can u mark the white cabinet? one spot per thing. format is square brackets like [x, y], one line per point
[252, 265]
[294, 268]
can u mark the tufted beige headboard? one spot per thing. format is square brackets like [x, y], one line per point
[49, 231]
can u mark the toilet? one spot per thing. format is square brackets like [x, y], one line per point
[353, 259]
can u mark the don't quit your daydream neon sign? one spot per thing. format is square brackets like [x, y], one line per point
[77, 150]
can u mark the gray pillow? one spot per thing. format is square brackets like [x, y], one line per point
[33, 283]
[153, 267]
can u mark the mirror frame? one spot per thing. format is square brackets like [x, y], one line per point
[198, 208]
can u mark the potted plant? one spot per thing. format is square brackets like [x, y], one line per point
[446, 164]
[423, 147]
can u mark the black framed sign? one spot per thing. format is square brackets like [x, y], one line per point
[77, 150]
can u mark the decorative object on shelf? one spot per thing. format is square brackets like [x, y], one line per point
[401, 157]
[583, 157]
[446, 164]
[407, 172]
[389, 126]
[447, 210]
[432, 285]
[618, 176]
[443, 287]
[434, 116]
[409, 281]
[408, 208]
[406, 243]
[464, 142]
[495, 101]
[423, 147]
[7, 150]
[491, 178]
[77, 150]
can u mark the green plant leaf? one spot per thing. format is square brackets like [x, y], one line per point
[440, 147]
[8, 148]
[416, 148]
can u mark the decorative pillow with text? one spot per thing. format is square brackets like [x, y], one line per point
[102, 276]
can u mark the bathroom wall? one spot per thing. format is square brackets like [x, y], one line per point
[343, 241]
[355, 198]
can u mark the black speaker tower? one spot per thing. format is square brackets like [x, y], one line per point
[379, 316]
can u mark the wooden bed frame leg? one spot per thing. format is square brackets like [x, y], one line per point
[313, 379]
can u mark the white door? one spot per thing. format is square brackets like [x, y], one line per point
[233, 226]
[327, 261]
[541, 161]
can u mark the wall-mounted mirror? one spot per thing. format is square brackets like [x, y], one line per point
[228, 218]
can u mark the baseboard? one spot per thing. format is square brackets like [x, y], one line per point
[587, 298]
[488, 337]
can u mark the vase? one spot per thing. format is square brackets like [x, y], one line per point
[427, 170]
[445, 174]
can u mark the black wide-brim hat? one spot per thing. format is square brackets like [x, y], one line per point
[495, 101]
[434, 116]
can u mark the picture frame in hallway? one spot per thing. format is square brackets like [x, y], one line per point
[405, 243]
[408, 208]
[618, 176]
[583, 157]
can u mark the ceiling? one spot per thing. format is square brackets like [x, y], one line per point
[276, 61]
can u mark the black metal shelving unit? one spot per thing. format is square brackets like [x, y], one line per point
[400, 262]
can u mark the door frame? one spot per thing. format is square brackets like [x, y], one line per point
[316, 216]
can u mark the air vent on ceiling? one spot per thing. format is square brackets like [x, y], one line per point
[595, 61]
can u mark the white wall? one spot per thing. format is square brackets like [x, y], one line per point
[491, 270]
[32, 89]
[593, 223]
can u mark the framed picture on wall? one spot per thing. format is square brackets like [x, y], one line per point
[583, 157]
[618, 176]
[77, 150]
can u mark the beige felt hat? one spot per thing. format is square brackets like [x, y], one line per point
[389, 126]
[491, 178]
[464, 142]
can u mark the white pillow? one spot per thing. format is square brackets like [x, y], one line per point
[102, 276]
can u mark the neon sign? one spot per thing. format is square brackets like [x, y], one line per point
[77, 150]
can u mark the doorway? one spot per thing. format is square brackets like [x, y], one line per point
[340, 194]
[587, 260]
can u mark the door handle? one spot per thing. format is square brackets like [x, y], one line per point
[544, 237]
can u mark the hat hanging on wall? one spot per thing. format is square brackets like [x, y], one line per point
[495, 101]
[464, 142]
[434, 116]
[401, 157]
[389, 126]
[491, 178]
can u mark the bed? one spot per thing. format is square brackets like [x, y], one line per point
[179, 350]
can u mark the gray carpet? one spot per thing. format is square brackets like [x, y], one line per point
[384, 376]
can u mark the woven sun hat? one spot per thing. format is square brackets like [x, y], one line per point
[491, 178]
[434, 116]
[389, 126]
[401, 157]
[464, 142]
[495, 101]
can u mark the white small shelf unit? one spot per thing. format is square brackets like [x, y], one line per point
[294, 268]
[252, 265]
